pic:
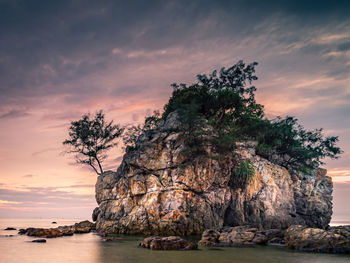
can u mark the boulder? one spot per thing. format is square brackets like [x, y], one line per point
[167, 243]
[210, 238]
[39, 241]
[240, 236]
[333, 240]
[66, 230]
[42, 232]
[78, 228]
[9, 228]
[84, 227]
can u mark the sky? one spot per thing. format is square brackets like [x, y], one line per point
[61, 59]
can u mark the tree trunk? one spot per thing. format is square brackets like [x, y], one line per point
[99, 165]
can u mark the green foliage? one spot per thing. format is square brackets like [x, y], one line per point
[286, 142]
[214, 110]
[220, 109]
[242, 174]
[90, 138]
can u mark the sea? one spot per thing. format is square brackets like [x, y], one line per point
[91, 248]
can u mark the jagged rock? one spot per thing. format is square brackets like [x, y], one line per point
[239, 236]
[78, 228]
[39, 241]
[83, 227]
[42, 232]
[210, 238]
[9, 228]
[167, 243]
[154, 193]
[334, 240]
[95, 214]
[67, 230]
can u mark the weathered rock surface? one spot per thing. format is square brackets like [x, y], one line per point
[333, 240]
[154, 193]
[241, 236]
[167, 243]
[78, 228]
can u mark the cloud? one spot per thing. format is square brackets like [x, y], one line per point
[27, 176]
[45, 197]
[45, 151]
[14, 113]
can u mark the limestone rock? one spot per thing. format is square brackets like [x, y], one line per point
[334, 240]
[167, 243]
[42, 232]
[154, 193]
[239, 236]
[95, 213]
[78, 228]
[83, 227]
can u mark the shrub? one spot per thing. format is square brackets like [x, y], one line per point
[243, 174]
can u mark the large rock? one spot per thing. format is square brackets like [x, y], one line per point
[241, 236]
[167, 243]
[333, 240]
[154, 193]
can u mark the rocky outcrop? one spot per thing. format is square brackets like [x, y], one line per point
[241, 236]
[167, 243]
[333, 240]
[77, 228]
[154, 192]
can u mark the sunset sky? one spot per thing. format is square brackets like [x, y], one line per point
[61, 59]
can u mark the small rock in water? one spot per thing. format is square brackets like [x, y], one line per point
[81, 227]
[167, 243]
[10, 228]
[54, 222]
[39, 241]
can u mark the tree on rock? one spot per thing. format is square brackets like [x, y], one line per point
[90, 138]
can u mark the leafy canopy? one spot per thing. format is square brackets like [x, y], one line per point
[90, 138]
[220, 109]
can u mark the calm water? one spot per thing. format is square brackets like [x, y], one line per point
[90, 248]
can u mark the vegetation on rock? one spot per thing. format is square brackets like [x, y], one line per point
[243, 174]
[90, 138]
[220, 109]
[215, 113]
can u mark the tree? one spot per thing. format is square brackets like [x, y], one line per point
[220, 109]
[90, 138]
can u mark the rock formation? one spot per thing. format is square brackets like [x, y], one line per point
[167, 243]
[154, 193]
[241, 236]
[332, 240]
[77, 228]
